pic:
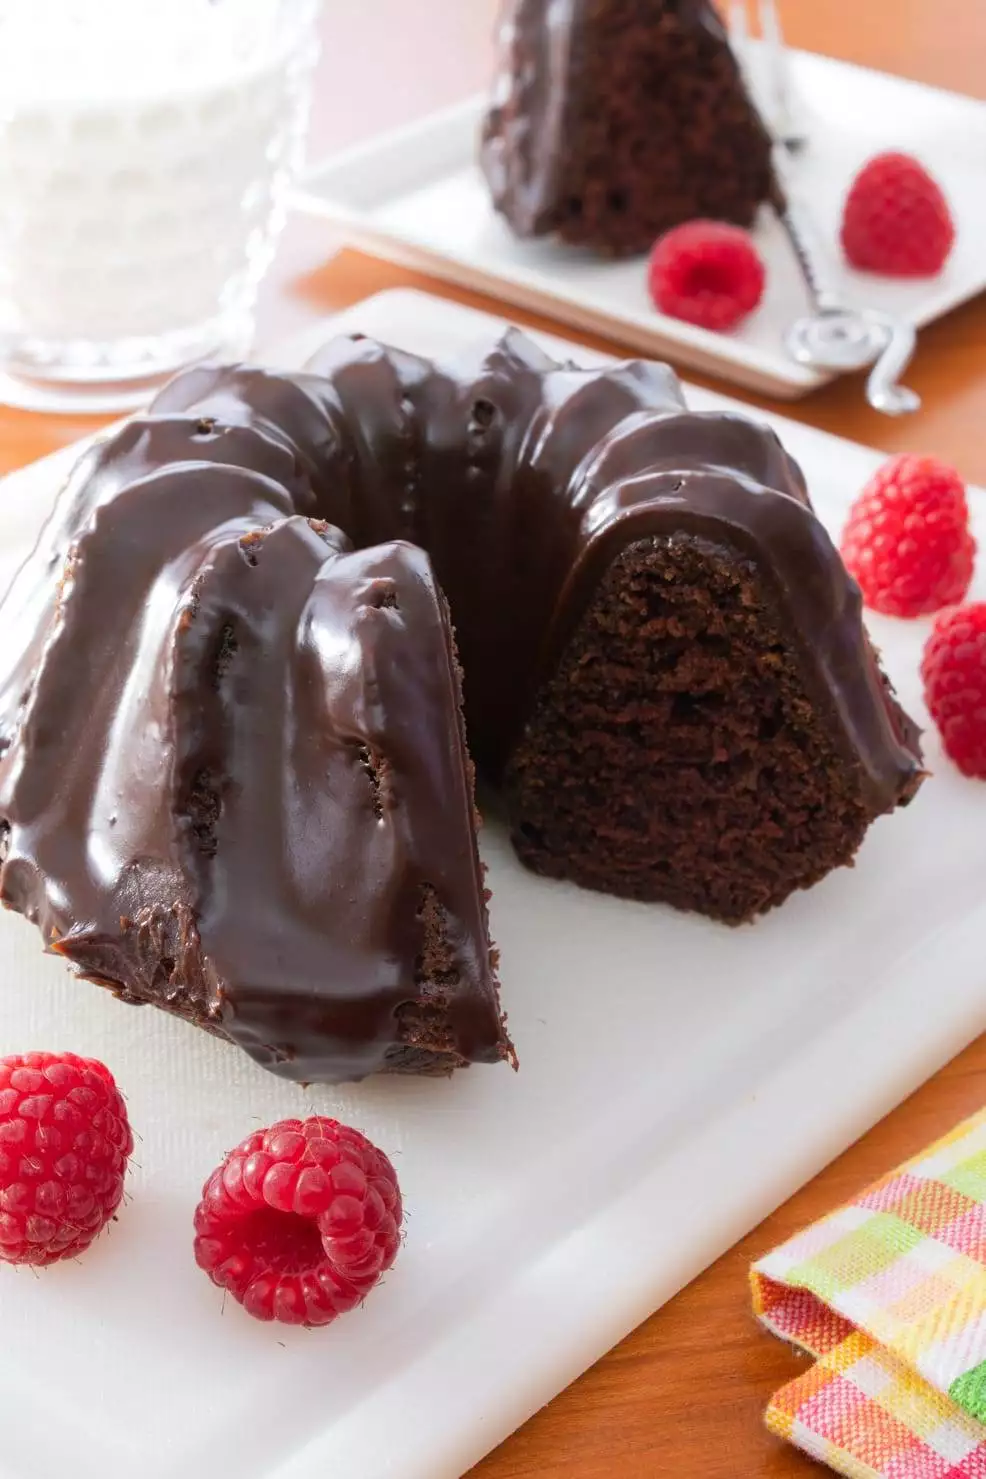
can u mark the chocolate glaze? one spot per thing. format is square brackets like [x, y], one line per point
[535, 475]
[233, 767]
[555, 64]
[231, 761]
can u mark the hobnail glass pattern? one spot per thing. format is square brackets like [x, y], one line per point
[146, 151]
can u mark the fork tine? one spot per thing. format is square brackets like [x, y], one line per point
[778, 71]
[770, 24]
[739, 23]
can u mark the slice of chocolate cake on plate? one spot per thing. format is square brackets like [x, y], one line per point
[614, 120]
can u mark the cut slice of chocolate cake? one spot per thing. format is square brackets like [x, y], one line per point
[717, 733]
[685, 750]
[233, 776]
[614, 120]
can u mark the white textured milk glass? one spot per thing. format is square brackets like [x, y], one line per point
[147, 148]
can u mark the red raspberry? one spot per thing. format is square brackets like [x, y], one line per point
[907, 541]
[954, 675]
[300, 1221]
[64, 1144]
[896, 219]
[707, 274]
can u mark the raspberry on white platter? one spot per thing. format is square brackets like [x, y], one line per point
[907, 540]
[300, 1221]
[65, 1140]
[954, 676]
[707, 273]
[896, 219]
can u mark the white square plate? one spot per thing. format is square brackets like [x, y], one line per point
[678, 1079]
[417, 196]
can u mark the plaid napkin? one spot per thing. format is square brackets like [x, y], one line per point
[889, 1295]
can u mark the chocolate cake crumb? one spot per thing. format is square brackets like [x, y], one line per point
[427, 1044]
[250, 546]
[677, 755]
[436, 963]
[156, 960]
[384, 596]
[376, 770]
[427, 1039]
[226, 649]
[202, 805]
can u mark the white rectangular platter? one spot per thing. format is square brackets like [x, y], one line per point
[417, 196]
[678, 1079]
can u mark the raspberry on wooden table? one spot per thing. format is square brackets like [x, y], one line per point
[65, 1141]
[300, 1221]
[954, 675]
[907, 541]
[706, 273]
[896, 219]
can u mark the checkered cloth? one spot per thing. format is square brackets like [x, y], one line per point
[889, 1295]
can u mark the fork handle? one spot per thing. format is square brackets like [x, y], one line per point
[801, 232]
[883, 389]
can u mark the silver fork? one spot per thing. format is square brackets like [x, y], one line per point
[832, 336]
[778, 100]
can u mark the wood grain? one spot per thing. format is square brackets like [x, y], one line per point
[683, 1395]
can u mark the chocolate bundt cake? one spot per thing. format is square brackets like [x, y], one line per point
[233, 774]
[614, 120]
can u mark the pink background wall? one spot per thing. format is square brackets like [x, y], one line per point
[385, 62]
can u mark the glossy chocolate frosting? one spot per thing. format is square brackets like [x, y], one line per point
[232, 772]
[523, 478]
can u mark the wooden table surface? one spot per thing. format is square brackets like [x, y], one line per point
[683, 1395]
